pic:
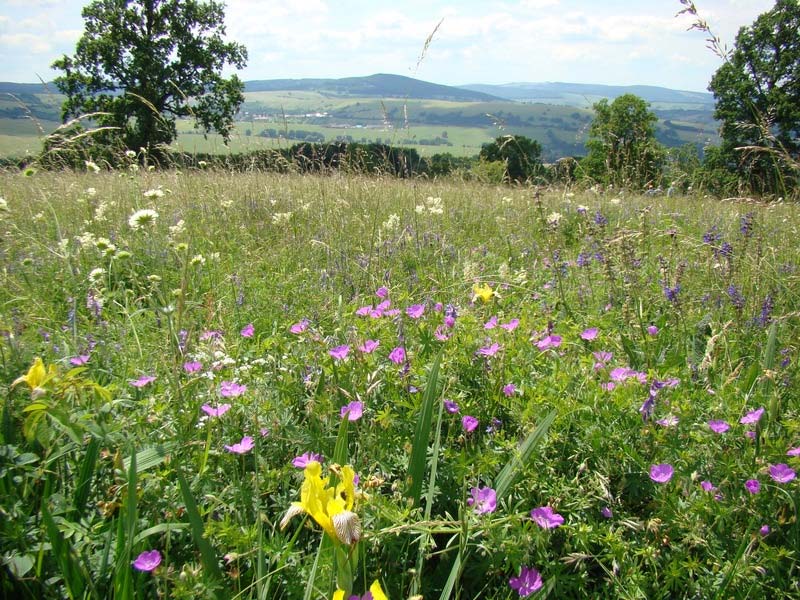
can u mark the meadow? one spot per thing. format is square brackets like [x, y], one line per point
[222, 385]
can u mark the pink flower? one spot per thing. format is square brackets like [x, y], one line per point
[509, 389]
[415, 311]
[545, 517]
[661, 473]
[752, 417]
[551, 341]
[529, 581]
[147, 560]
[752, 485]
[352, 411]
[79, 360]
[210, 335]
[398, 355]
[192, 366]
[451, 407]
[793, 451]
[764, 530]
[707, 486]
[589, 334]
[511, 325]
[302, 461]
[781, 473]
[469, 423]
[368, 346]
[483, 500]
[300, 327]
[215, 412]
[248, 330]
[718, 426]
[441, 333]
[652, 330]
[382, 292]
[489, 350]
[231, 389]
[340, 352]
[603, 357]
[668, 421]
[606, 512]
[364, 310]
[242, 447]
[142, 381]
[491, 323]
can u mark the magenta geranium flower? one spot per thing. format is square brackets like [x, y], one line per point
[489, 350]
[529, 581]
[302, 461]
[231, 389]
[469, 423]
[607, 512]
[248, 330]
[79, 360]
[364, 310]
[142, 381]
[509, 389]
[300, 327]
[242, 447]
[147, 560]
[210, 335]
[652, 330]
[352, 411]
[551, 341]
[545, 517]
[589, 334]
[752, 485]
[415, 311]
[707, 486]
[192, 366]
[215, 412]
[483, 500]
[793, 451]
[340, 352]
[781, 473]
[368, 346]
[718, 426]
[621, 373]
[764, 530]
[441, 333]
[668, 421]
[451, 407]
[382, 292]
[511, 325]
[754, 416]
[398, 355]
[661, 473]
[491, 323]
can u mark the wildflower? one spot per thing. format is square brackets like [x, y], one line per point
[368, 346]
[781, 473]
[302, 461]
[382, 292]
[36, 377]
[469, 423]
[707, 486]
[545, 518]
[415, 311]
[668, 421]
[242, 447]
[483, 500]
[375, 593]
[231, 389]
[529, 581]
[154, 193]
[661, 473]
[142, 381]
[147, 560]
[142, 218]
[793, 451]
[606, 512]
[602, 357]
[352, 411]
[511, 325]
[91, 166]
[248, 331]
[764, 530]
[210, 335]
[589, 334]
[652, 330]
[441, 333]
[752, 417]
[364, 310]
[79, 360]
[300, 327]
[509, 389]
[489, 350]
[753, 486]
[491, 323]
[551, 341]
[215, 412]
[398, 355]
[554, 218]
[483, 292]
[451, 407]
[192, 366]
[331, 508]
[718, 426]
[339, 352]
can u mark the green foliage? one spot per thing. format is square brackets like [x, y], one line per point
[622, 146]
[758, 101]
[141, 64]
[521, 156]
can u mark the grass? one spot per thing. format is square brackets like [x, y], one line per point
[616, 328]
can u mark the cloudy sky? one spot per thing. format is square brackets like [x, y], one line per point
[623, 42]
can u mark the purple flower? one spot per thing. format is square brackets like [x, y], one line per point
[415, 311]
[793, 451]
[301, 461]
[545, 517]
[752, 417]
[589, 334]
[707, 486]
[469, 423]
[752, 485]
[368, 346]
[483, 500]
[491, 323]
[661, 473]
[668, 421]
[242, 447]
[300, 327]
[764, 530]
[231, 389]
[441, 333]
[718, 426]
[192, 366]
[248, 330]
[142, 381]
[529, 581]
[509, 389]
[652, 330]
[364, 310]
[340, 352]
[353, 411]
[606, 512]
[382, 292]
[210, 335]
[511, 325]
[215, 412]
[451, 407]
[147, 560]
[621, 373]
[603, 357]
[781, 473]
[489, 350]
[398, 355]
[551, 341]
[79, 360]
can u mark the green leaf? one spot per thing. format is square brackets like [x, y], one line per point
[149, 457]
[506, 477]
[85, 475]
[158, 529]
[419, 451]
[65, 556]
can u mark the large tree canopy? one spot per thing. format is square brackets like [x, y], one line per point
[757, 93]
[521, 155]
[144, 63]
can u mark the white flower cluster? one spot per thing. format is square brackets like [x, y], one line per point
[432, 205]
[142, 218]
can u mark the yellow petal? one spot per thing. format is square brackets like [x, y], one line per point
[338, 595]
[377, 591]
[35, 375]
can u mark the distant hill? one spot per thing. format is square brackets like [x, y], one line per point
[585, 94]
[378, 86]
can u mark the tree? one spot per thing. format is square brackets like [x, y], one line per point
[141, 64]
[622, 145]
[757, 92]
[521, 155]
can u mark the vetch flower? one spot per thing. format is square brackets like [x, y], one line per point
[661, 473]
[469, 423]
[142, 381]
[589, 334]
[781, 473]
[764, 530]
[483, 500]
[752, 485]
[752, 417]
[352, 411]
[545, 517]
[242, 447]
[147, 560]
[248, 330]
[398, 355]
[340, 352]
[302, 461]
[215, 412]
[231, 389]
[529, 581]
[606, 512]
[331, 507]
[718, 426]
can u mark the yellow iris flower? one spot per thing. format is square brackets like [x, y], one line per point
[331, 507]
[484, 292]
[375, 590]
[36, 376]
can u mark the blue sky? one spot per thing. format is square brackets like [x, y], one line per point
[623, 42]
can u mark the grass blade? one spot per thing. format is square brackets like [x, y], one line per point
[74, 578]
[506, 477]
[419, 452]
[85, 475]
